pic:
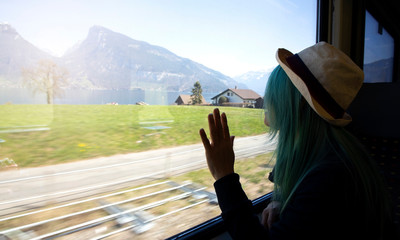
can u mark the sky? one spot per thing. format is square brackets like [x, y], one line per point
[230, 36]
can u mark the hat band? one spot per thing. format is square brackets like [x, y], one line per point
[315, 88]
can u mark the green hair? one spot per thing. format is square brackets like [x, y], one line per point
[304, 138]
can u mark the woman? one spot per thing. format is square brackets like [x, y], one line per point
[326, 186]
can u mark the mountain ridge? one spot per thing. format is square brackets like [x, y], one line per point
[255, 80]
[110, 60]
[15, 54]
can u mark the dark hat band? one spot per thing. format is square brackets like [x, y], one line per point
[317, 91]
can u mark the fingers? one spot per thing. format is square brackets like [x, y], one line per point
[219, 148]
[225, 128]
[218, 125]
[264, 219]
[204, 139]
[267, 218]
[270, 221]
[214, 123]
[217, 120]
[270, 215]
[212, 127]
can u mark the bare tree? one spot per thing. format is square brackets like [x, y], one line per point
[47, 77]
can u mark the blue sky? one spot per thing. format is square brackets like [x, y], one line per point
[229, 36]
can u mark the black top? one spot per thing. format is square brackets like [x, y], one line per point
[323, 207]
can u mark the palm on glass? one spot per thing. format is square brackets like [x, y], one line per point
[219, 151]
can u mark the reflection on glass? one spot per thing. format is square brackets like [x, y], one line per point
[98, 130]
[378, 52]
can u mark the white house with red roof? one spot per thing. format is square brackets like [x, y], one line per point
[239, 98]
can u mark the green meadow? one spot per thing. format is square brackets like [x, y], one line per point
[37, 135]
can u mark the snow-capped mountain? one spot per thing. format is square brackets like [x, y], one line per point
[110, 60]
[255, 80]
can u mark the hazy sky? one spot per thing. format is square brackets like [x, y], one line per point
[229, 36]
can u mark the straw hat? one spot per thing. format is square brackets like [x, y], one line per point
[326, 77]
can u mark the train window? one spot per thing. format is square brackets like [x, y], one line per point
[101, 103]
[378, 52]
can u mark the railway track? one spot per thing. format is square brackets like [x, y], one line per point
[95, 196]
[135, 213]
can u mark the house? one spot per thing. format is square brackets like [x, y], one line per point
[187, 100]
[239, 98]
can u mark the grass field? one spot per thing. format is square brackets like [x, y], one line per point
[76, 132]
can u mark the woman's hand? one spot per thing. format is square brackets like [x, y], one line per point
[270, 214]
[219, 152]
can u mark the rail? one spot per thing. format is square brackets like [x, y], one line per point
[185, 188]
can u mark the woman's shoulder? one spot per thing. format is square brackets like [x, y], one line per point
[322, 199]
[332, 163]
[332, 174]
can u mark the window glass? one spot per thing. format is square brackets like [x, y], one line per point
[378, 52]
[101, 103]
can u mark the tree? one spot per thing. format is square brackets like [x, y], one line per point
[196, 93]
[222, 100]
[47, 77]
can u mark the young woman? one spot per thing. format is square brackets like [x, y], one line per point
[326, 186]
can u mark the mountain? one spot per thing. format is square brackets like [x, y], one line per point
[379, 71]
[111, 60]
[255, 80]
[16, 53]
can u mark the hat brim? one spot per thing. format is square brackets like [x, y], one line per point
[281, 56]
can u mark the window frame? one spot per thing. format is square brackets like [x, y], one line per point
[342, 24]
[215, 226]
[394, 69]
[385, 18]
